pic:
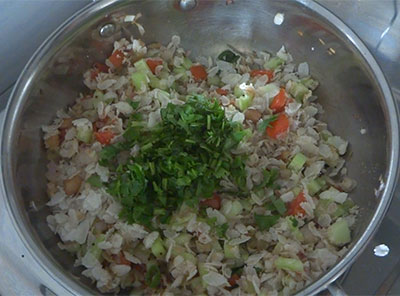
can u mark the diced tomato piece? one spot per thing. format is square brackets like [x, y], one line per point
[101, 67]
[213, 202]
[199, 73]
[269, 73]
[116, 58]
[295, 208]
[221, 91]
[278, 127]
[104, 137]
[233, 279]
[153, 63]
[279, 102]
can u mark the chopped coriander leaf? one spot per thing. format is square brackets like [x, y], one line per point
[228, 56]
[153, 277]
[294, 221]
[266, 123]
[265, 222]
[279, 205]
[95, 181]
[220, 230]
[181, 160]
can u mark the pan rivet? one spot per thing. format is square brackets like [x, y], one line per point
[107, 30]
[187, 4]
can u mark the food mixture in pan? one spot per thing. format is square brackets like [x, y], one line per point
[182, 175]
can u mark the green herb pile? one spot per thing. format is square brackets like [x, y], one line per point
[180, 160]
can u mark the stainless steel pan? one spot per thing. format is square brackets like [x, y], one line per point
[353, 91]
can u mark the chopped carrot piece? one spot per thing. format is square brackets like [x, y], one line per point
[116, 58]
[221, 91]
[279, 101]
[233, 279]
[104, 137]
[269, 73]
[153, 63]
[213, 202]
[101, 67]
[199, 72]
[278, 127]
[295, 208]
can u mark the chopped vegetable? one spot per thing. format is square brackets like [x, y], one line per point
[339, 233]
[101, 67]
[274, 63]
[199, 73]
[116, 58]
[297, 162]
[295, 208]
[279, 101]
[278, 127]
[184, 164]
[140, 81]
[158, 249]
[213, 202]
[267, 123]
[269, 73]
[228, 56]
[265, 222]
[220, 230]
[315, 186]
[221, 91]
[299, 91]
[245, 101]
[153, 63]
[153, 277]
[231, 252]
[289, 264]
[104, 137]
[95, 181]
[233, 279]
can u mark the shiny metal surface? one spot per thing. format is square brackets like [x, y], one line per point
[299, 56]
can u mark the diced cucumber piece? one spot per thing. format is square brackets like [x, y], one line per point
[189, 257]
[84, 133]
[231, 252]
[98, 95]
[273, 63]
[295, 230]
[158, 83]
[315, 186]
[343, 209]
[140, 81]
[246, 204]
[237, 91]
[289, 264]
[299, 91]
[141, 66]
[158, 249]
[245, 101]
[214, 80]
[339, 233]
[187, 63]
[310, 83]
[297, 162]
[181, 70]
[95, 250]
[197, 286]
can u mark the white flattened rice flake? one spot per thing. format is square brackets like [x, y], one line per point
[212, 213]
[215, 279]
[80, 233]
[92, 201]
[334, 194]
[150, 239]
[89, 260]
[288, 196]
[339, 144]
[120, 269]
[131, 258]
[124, 108]
[303, 70]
